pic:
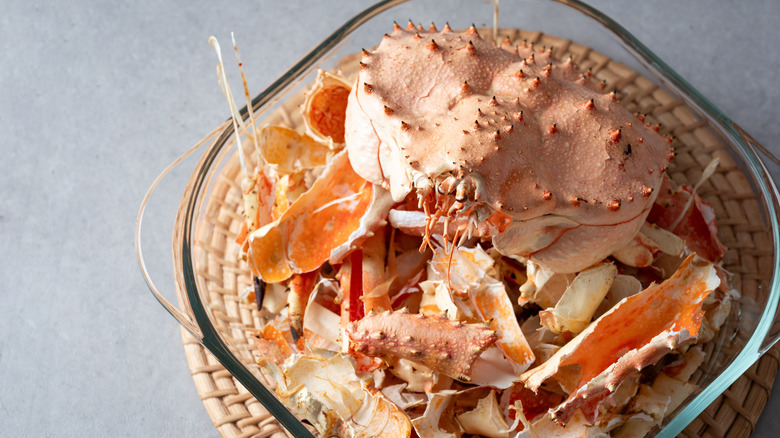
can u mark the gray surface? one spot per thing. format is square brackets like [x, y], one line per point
[96, 98]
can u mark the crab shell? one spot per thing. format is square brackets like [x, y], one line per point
[324, 108]
[505, 129]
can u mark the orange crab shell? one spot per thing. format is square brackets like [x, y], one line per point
[315, 224]
[637, 332]
[325, 108]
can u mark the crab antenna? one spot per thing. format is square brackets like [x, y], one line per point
[248, 99]
[223, 85]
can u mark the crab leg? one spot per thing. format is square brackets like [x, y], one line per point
[301, 286]
[494, 306]
[351, 288]
[637, 332]
[258, 193]
[375, 284]
[257, 190]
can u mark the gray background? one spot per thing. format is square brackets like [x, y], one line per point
[96, 98]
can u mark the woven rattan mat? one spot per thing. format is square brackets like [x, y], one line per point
[236, 413]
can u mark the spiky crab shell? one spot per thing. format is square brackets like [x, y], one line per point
[448, 347]
[506, 128]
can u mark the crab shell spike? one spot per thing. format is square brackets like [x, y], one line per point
[433, 341]
[432, 46]
[446, 28]
[614, 135]
[555, 232]
[396, 27]
[410, 25]
[473, 31]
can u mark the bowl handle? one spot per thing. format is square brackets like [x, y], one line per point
[773, 335]
[183, 317]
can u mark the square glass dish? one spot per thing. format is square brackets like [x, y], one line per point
[209, 280]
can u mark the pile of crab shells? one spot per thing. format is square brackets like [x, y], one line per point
[538, 314]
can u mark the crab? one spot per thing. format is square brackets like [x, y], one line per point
[483, 132]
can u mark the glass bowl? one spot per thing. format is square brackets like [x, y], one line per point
[209, 280]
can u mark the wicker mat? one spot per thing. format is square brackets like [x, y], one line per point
[236, 413]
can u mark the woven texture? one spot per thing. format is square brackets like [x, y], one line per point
[223, 279]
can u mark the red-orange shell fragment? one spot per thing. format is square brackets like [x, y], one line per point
[448, 347]
[320, 220]
[691, 219]
[637, 332]
[534, 404]
[326, 107]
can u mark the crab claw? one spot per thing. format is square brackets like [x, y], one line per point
[448, 347]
